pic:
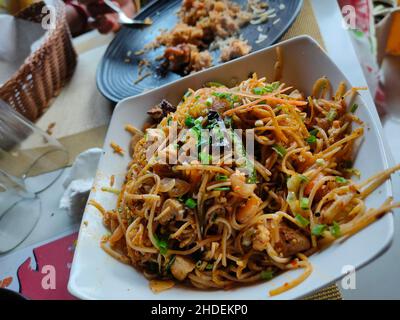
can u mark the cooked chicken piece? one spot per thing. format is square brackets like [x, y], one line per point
[178, 57]
[200, 60]
[261, 237]
[181, 267]
[235, 49]
[291, 241]
[182, 34]
[171, 209]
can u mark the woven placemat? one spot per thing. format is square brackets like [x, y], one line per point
[331, 292]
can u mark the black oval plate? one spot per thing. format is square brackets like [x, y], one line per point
[116, 76]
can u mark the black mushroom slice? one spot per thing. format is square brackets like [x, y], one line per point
[158, 112]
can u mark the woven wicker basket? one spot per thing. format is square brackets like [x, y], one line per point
[44, 73]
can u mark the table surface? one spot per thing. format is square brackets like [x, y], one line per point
[378, 280]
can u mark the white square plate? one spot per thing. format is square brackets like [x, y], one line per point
[96, 275]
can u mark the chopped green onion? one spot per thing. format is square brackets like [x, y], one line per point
[272, 87]
[318, 229]
[221, 177]
[209, 102]
[209, 266]
[187, 94]
[259, 91]
[169, 120]
[162, 245]
[281, 151]
[303, 178]
[354, 108]
[197, 97]
[303, 221]
[266, 275]
[311, 139]
[320, 162]
[198, 264]
[314, 132]
[341, 180]
[189, 122]
[332, 114]
[335, 230]
[222, 189]
[191, 203]
[222, 95]
[304, 203]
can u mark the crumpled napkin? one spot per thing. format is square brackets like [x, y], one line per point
[79, 181]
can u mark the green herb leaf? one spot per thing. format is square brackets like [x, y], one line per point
[311, 139]
[332, 114]
[303, 221]
[303, 178]
[221, 177]
[354, 108]
[209, 266]
[335, 230]
[259, 91]
[304, 203]
[341, 180]
[266, 275]
[318, 229]
[280, 150]
[209, 102]
[222, 189]
[191, 203]
[162, 245]
[189, 122]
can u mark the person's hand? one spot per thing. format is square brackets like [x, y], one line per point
[105, 20]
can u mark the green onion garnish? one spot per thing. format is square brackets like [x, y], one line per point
[221, 177]
[187, 94]
[266, 275]
[259, 91]
[281, 151]
[314, 132]
[332, 114]
[209, 266]
[318, 229]
[303, 178]
[341, 180]
[222, 189]
[335, 230]
[304, 203]
[209, 102]
[189, 122]
[303, 221]
[191, 203]
[311, 139]
[354, 108]
[162, 245]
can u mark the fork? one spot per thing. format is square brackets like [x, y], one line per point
[123, 19]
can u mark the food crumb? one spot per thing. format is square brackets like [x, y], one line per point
[117, 149]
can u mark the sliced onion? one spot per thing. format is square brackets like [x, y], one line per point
[166, 184]
[181, 187]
